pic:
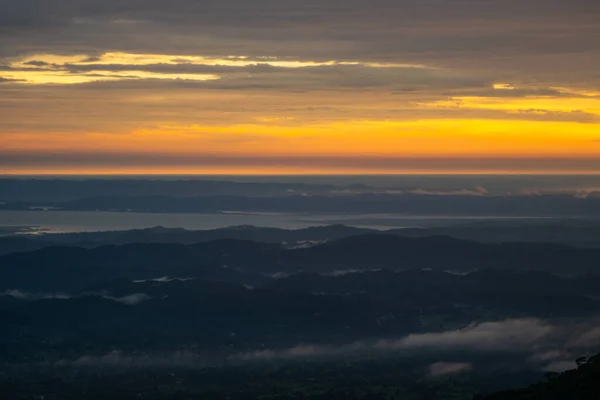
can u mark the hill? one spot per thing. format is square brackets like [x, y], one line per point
[582, 383]
[242, 261]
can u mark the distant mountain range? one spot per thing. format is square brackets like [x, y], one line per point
[181, 236]
[578, 233]
[243, 261]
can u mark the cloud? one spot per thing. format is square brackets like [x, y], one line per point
[537, 344]
[590, 338]
[445, 368]
[497, 90]
[509, 335]
[516, 335]
[10, 80]
[18, 294]
[269, 73]
[164, 279]
[206, 161]
[560, 366]
[345, 272]
[130, 300]
[117, 360]
[458, 24]
[445, 32]
[550, 355]
[37, 63]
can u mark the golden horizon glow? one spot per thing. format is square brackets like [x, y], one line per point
[435, 137]
[277, 171]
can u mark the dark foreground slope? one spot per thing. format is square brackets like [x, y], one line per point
[582, 383]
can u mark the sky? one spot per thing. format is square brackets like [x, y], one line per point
[299, 86]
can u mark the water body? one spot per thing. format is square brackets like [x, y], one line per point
[500, 182]
[90, 221]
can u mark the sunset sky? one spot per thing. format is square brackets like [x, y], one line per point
[299, 86]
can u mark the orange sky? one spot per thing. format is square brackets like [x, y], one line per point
[72, 102]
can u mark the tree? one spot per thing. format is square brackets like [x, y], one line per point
[581, 361]
[551, 375]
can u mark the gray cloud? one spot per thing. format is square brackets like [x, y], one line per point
[130, 300]
[117, 360]
[49, 159]
[588, 339]
[445, 368]
[517, 92]
[539, 344]
[441, 31]
[267, 76]
[511, 335]
[554, 360]
[37, 63]
[560, 366]
[18, 294]
[489, 336]
[164, 279]
[8, 80]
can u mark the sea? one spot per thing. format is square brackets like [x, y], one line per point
[48, 220]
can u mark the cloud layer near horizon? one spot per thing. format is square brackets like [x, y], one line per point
[355, 79]
[539, 345]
